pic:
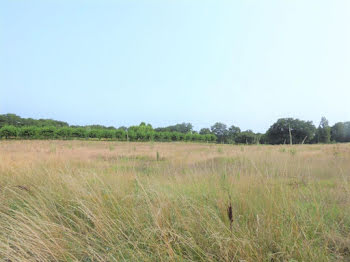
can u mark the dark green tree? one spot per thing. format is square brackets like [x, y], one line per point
[182, 128]
[324, 131]
[232, 133]
[246, 137]
[28, 132]
[347, 131]
[94, 133]
[79, 132]
[120, 134]
[8, 132]
[338, 132]
[301, 131]
[47, 132]
[220, 131]
[63, 132]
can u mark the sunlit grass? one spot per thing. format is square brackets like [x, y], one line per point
[110, 201]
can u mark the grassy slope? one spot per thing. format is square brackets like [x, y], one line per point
[110, 201]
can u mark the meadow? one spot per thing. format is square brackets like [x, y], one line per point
[129, 201]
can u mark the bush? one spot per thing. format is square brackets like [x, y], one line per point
[64, 133]
[246, 137]
[181, 136]
[79, 132]
[188, 137]
[149, 136]
[157, 136]
[93, 133]
[28, 132]
[120, 135]
[165, 136]
[174, 136]
[107, 134]
[47, 132]
[132, 135]
[8, 132]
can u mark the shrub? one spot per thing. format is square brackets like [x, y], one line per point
[8, 132]
[188, 137]
[64, 133]
[174, 136]
[149, 136]
[120, 135]
[79, 132]
[166, 136]
[107, 134]
[28, 132]
[157, 136]
[132, 135]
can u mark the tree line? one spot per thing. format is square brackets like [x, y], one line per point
[13, 126]
[283, 131]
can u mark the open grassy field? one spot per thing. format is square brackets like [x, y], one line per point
[115, 201]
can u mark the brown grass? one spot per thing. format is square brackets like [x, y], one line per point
[115, 201]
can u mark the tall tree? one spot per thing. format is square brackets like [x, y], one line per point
[246, 137]
[347, 131]
[338, 132]
[182, 128]
[324, 131]
[220, 130]
[301, 131]
[233, 132]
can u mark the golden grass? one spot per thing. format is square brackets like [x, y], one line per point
[115, 201]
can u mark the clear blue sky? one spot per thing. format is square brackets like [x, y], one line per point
[163, 62]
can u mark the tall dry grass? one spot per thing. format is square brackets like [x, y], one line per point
[110, 201]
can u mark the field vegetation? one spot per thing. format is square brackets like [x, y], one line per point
[125, 201]
[283, 131]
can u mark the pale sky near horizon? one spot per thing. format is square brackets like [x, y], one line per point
[117, 63]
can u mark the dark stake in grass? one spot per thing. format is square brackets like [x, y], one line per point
[24, 188]
[158, 156]
[229, 214]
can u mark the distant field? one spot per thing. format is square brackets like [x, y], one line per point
[119, 201]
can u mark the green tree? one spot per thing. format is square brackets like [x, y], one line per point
[232, 133]
[17, 121]
[262, 138]
[220, 131]
[188, 137]
[323, 131]
[301, 131]
[205, 131]
[47, 132]
[174, 136]
[131, 134]
[107, 133]
[120, 134]
[246, 137]
[94, 133]
[338, 132]
[182, 128]
[63, 132]
[166, 136]
[347, 131]
[79, 132]
[28, 132]
[142, 132]
[8, 132]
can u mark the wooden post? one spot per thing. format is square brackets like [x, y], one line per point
[290, 136]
